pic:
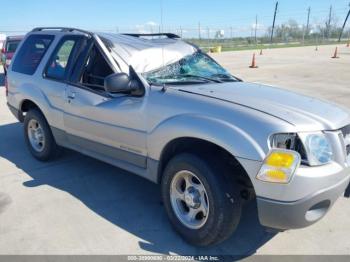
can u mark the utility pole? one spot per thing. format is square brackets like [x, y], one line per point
[199, 30]
[274, 20]
[256, 28]
[329, 22]
[208, 35]
[231, 32]
[308, 20]
[342, 29]
[161, 29]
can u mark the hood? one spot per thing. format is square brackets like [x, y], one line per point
[306, 113]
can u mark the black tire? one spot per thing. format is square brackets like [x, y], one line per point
[51, 149]
[223, 197]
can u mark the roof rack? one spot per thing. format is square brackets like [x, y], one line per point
[62, 29]
[168, 35]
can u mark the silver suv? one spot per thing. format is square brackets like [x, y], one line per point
[161, 108]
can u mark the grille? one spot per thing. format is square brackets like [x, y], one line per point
[346, 135]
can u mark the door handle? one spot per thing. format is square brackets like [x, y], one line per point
[71, 96]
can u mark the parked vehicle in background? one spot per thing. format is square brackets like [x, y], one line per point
[8, 49]
[161, 108]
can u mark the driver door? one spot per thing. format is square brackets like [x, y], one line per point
[109, 128]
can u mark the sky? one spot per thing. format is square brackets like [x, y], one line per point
[145, 15]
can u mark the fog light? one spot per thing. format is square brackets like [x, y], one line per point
[279, 166]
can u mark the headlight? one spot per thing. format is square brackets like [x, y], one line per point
[318, 148]
[314, 148]
[279, 166]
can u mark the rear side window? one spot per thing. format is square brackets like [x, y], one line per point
[11, 46]
[30, 54]
[58, 63]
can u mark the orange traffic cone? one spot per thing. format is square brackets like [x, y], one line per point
[253, 65]
[261, 52]
[335, 53]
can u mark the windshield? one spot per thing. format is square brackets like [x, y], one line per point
[11, 46]
[195, 68]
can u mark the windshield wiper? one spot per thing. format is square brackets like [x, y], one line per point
[225, 78]
[200, 77]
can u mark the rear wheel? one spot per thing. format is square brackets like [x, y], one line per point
[38, 136]
[202, 204]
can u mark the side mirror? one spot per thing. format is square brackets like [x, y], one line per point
[123, 83]
[118, 83]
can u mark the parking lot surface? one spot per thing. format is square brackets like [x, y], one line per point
[78, 205]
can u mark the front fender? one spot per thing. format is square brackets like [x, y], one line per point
[228, 136]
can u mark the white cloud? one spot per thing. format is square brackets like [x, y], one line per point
[151, 23]
[257, 26]
[146, 28]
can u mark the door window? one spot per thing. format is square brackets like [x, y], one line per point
[57, 66]
[95, 70]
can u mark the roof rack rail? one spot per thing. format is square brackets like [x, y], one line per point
[63, 29]
[169, 35]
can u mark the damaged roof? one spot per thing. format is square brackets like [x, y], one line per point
[146, 54]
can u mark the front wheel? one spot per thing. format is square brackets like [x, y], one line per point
[203, 205]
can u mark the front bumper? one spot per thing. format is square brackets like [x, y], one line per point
[304, 212]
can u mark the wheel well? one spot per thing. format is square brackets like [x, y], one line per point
[26, 106]
[203, 147]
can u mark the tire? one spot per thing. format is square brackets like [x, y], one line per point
[222, 199]
[48, 149]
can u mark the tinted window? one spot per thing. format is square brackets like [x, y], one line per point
[31, 53]
[11, 46]
[58, 62]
